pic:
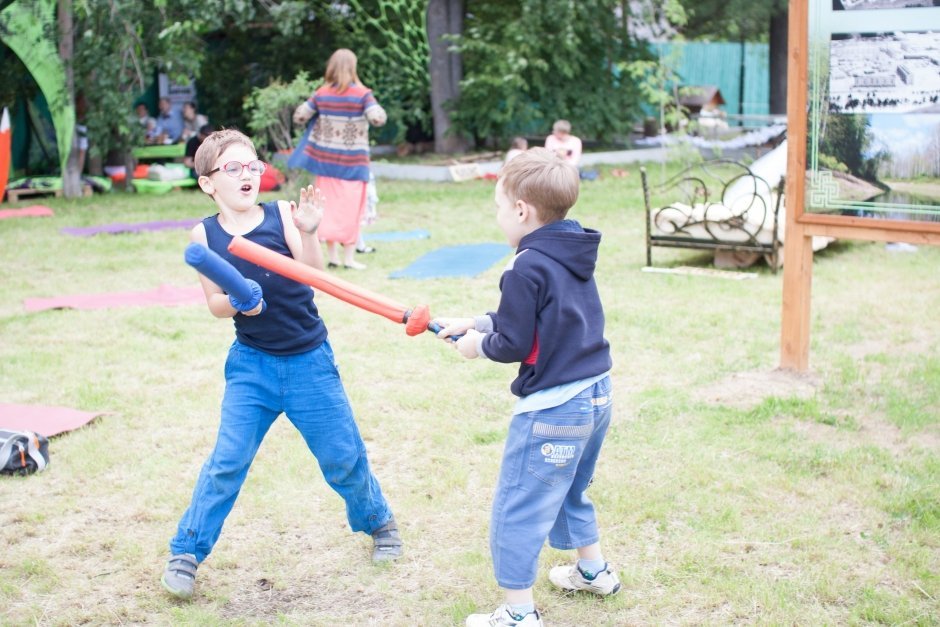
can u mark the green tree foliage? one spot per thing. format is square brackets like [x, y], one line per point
[657, 81]
[118, 47]
[121, 44]
[730, 20]
[270, 110]
[656, 77]
[390, 40]
[241, 59]
[530, 62]
[847, 140]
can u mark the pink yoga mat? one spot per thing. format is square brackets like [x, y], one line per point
[33, 211]
[164, 295]
[47, 421]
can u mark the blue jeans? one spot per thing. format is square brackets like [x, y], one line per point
[548, 463]
[258, 387]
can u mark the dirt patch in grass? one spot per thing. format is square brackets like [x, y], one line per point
[743, 390]
[875, 429]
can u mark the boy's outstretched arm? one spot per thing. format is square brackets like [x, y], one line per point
[216, 299]
[301, 220]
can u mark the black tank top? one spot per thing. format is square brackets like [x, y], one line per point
[291, 323]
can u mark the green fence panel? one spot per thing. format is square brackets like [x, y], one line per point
[756, 79]
[739, 70]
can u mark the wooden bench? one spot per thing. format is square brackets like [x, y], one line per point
[13, 195]
[717, 205]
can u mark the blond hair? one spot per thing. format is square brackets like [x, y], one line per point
[214, 145]
[341, 69]
[563, 126]
[544, 180]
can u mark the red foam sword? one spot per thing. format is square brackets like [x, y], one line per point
[416, 320]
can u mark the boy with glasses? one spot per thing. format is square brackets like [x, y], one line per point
[279, 362]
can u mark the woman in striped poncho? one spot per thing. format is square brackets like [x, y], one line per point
[335, 148]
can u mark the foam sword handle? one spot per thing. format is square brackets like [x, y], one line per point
[435, 328]
[210, 264]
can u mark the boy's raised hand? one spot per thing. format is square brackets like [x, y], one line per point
[309, 211]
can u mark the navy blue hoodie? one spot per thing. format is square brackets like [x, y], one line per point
[550, 316]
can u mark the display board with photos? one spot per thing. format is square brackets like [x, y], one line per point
[873, 134]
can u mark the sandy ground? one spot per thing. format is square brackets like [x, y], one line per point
[854, 188]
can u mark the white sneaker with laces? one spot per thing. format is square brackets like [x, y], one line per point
[503, 617]
[572, 578]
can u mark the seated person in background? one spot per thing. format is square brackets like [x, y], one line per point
[81, 130]
[147, 123]
[192, 145]
[516, 148]
[563, 143]
[192, 121]
[169, 123]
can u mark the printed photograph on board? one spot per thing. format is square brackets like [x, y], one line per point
[897, 72]
[879, 165]
[906, 149]
[858, 5]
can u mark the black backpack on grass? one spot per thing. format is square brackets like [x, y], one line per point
[22, 452]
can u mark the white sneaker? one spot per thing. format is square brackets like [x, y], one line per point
[503, 617]
[572, 578]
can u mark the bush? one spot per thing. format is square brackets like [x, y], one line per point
[271, 108]
[831, 163]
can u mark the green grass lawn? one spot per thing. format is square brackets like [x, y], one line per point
[727, 493]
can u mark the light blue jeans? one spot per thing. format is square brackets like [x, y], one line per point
[258, 388]
[548, 463]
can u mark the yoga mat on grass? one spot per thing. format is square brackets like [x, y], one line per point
[122, 227]
[394, 236]
[44, 420]
[33, 211]
[165, 295]
[454, 261]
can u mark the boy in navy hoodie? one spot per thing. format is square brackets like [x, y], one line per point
[549, 319]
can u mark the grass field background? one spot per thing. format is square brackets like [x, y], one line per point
[727, 493]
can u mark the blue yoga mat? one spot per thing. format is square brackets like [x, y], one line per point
[454, 261]
[394, 236]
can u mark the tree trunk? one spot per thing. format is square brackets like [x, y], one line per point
[445, 17]
[778, 62]
[72, 177]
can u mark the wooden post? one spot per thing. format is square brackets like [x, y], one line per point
[802, 226]
[72, 175]
[798, 245]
